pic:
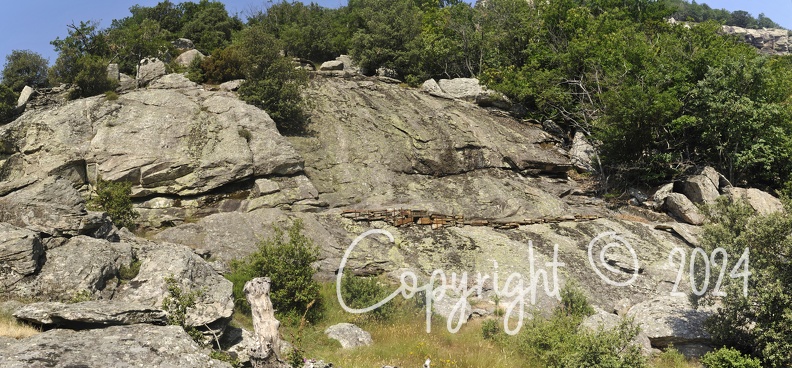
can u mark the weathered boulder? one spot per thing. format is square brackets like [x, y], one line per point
[149, 69]
[162, 261]
[467, 89]
[701, 189]
[81, 265]
[671, 320]
[680, 206]
[582, 153]
[186, 58]
[660, 195]
[117, 346]
[349, 335]
[90, 314]
[231, 86]
[183, 44]
[431, 87]
[21, 254]
[452, 307]
[24, 96]
[762, 202]
[332, 65]
[168, 142]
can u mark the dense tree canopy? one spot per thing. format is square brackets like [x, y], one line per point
[24, 68]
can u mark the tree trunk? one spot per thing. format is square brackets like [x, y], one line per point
[267, 350]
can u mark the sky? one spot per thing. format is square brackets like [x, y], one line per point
[32, 24]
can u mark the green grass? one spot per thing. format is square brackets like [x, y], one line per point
[402, 341]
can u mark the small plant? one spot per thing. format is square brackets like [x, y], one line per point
[80, 296]
[226, 357]
[126, 273]
[176, 305]
[729, 358]
[111, 95]
[489, 329]
[498, 310]
[574, 302]
[114, 198]
[244, 133]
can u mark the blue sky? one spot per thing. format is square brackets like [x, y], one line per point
[32, 24]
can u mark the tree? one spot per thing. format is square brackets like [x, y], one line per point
[24, 68]
[130, 41]
[208, 25]
[83, 40]
[754, 317]
[272, 82]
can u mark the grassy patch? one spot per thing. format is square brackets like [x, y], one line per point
[11, 327]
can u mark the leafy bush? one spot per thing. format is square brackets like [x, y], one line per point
[574, 302]
[126, 273]
[361, 292]
[91, 79]
[279, 94]
[111, 95]
[113, 198]
[728, 358]
[288, 264]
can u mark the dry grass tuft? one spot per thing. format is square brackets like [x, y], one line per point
[11, 327]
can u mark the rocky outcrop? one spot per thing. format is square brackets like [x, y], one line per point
[466, 89]
[91, 314]
[682, 208]
[332, 65]
[583, 153]
[349, 335]
[183, 44]
[24, 96]
[773, 41]
[118, 346]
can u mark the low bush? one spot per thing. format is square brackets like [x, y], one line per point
[362, 292]
[728, 358]
[114, 198]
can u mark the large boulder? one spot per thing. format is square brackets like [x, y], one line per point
[680, 206]
[431, 87]
[149, 69]
[349, 335]
[89, 314]
[113, 72]
[160, 262]
[332, 65]
[762, 202]
[21, 254]
[186, 58]
[701, 189]
[671, 321]
[183, 44]
[141, 345]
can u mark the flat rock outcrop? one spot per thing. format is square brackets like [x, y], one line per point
[117, 346]
[90, 314]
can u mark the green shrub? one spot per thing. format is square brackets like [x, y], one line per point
[278, 93]
[114, 198]
[362, 292]
[490, 328]
[195, 71]
[287, 262]
[81, 296]
[111, 95]
[574, 302]
[728, 358]
[224, 65]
